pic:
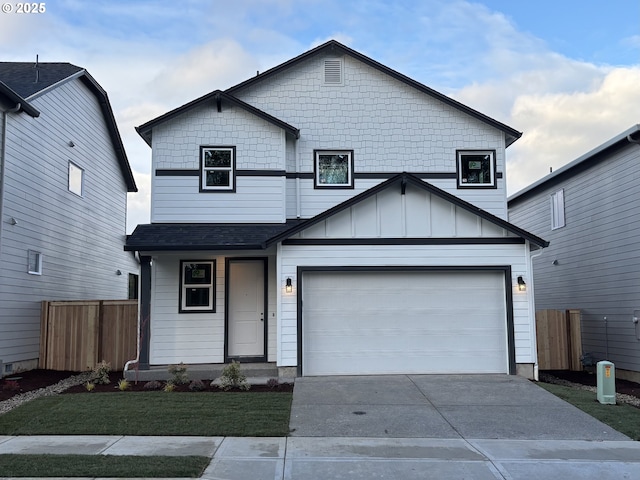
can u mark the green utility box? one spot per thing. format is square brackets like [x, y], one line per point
[606, 377]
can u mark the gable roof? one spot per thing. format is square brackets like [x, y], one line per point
[28, 80]
[598, 154]
[226, 236]
[334, 47]
[146, 130]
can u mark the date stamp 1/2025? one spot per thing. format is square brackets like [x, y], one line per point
[26, 7]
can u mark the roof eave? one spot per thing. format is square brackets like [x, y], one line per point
[19, 102]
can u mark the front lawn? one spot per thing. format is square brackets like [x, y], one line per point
[237, 414]
[624, 418]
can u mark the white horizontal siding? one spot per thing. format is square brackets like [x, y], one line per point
[257, 199]
[81, 238]
[197, 337]
[406, 255]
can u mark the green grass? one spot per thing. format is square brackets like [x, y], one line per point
[624, 418]
[18, 465]
[244, 414]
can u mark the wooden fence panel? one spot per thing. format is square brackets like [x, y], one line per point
[559, 339]
[77, 335]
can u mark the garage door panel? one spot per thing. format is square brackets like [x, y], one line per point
[404, 322]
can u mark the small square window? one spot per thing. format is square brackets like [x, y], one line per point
[76, 177]
[197, 284]
[557, 210]
[34, 262]
[333, 169]
[476, 169]
[217, 169]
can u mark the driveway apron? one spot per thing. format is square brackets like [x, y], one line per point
[438, 406]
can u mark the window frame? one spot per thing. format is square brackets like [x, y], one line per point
[231, 188]
[38, 262]
[333, 186]
[492, 168]
[558, 217]
[70, 188]
[211, 307]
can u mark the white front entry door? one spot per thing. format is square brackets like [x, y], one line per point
[246, 308]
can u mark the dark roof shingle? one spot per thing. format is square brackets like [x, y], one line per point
[27, 79]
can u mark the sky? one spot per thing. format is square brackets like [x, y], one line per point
[566, 73]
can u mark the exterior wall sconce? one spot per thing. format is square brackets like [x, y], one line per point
[71, 144]
[522, 287]
[13, 221]
[289, 287]
[118, 272]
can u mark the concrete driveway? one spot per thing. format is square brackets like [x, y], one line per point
[438, 406]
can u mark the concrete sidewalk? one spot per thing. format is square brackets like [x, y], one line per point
[303, 458]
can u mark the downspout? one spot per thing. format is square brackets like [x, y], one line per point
[630, 139]
[532, 309]
[3, 160]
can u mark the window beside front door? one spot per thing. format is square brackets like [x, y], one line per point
[333, 169]
[197, 284]
[217, 169]
[476, 168]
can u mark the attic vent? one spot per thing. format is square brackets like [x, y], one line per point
[333, 71]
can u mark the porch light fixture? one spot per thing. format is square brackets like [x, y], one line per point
[289, 286]
[522, 287]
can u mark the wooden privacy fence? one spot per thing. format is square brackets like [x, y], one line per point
[559, 339]
[77, 335]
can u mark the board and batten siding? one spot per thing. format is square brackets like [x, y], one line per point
[198, 337]
[400, 256]
[390, 126]
[259, 144]
[81, 238]
[598, 264]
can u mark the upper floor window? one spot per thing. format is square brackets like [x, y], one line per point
[197, 283]
[76, 178]
[333, 169]
[34, 262]
[217, 169]
[557, 209]
[476, 168]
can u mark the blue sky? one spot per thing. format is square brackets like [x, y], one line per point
[564, 72]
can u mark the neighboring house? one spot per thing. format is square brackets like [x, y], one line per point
[333, 216]
[64, 178]
[589, 210]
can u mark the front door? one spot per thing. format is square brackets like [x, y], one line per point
[246, 309]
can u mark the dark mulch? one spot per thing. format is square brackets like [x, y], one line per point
[591, 379]
[35, 379]
[28, 381]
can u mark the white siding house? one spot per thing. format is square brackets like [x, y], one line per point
[333, 216]
[588, 209]
[64, 179]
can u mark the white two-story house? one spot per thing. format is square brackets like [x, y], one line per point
[332, 216]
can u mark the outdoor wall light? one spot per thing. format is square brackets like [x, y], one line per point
[118, 272]
[521, 285]
[71, 144]
[289, 286]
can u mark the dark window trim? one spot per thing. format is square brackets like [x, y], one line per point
[406, 241]
[506, 269]
[227, 262]
[318, 186]
[213, 286]
[494, 182]
[167, 172]
[233, 169]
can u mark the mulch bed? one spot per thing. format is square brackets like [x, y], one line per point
[591, 379]
[35, 379]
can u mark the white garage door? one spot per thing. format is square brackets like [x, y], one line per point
[357, 323]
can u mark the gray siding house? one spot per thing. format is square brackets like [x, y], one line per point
[331, 216]
[64, 178]
[589, 210]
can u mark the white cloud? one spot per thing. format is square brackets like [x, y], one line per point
[139, 203]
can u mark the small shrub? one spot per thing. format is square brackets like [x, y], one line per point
[196, 386]
[153, 385]
[11, 386]
[90, 386]
[169, 387]
[273, 383]
[233, 377]
[179, 372]
[123, 385]
[101, 373]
